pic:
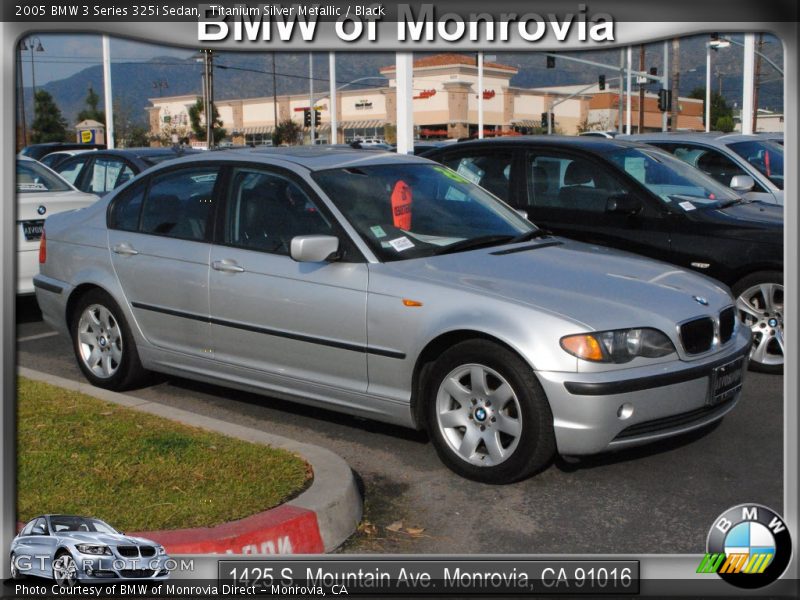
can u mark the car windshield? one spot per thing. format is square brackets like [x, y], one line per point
[671, 179]
[33, 177]
[767, 157]
[70, 523]
[413, 210]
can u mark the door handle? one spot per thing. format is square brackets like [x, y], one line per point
[227, 266]
[125, 249]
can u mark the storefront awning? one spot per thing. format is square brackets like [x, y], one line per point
[526, 123]
[365, 124]
[261, 129]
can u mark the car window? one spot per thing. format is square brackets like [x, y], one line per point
[492, 172]
[39, 527]
[73, 523]
[70, 169]
[27, 529]
[569, 182]
[178, 203]
[265, 211]
[106, 174]
[127, 207]
[33, 177]
[405, 211]
[767, 157]
[711, 162]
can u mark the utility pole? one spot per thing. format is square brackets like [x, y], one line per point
[757, 81]
[274, 97]
[676, 81]
[107, 98]
[641, 91]
[22, 97]
[311, 96]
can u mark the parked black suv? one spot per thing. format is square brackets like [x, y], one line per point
[638, 198]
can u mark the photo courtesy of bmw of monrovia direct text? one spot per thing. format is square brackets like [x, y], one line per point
[329, 299]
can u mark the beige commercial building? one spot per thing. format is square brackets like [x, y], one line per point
[445, 106]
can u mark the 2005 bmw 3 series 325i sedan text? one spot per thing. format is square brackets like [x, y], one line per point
[392, 288]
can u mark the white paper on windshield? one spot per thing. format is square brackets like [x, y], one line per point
[31, 187]
[470, 172]
[401, 243]
[687, 205]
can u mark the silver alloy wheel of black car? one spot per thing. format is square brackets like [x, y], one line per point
[100, 341]
[65, 571]
[761, 308]
[478, 415]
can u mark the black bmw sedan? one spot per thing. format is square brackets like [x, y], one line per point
[641, 199]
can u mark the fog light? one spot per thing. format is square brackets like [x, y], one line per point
[89, 571]
[625, 411]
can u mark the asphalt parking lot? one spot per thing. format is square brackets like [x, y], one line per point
[656, 499]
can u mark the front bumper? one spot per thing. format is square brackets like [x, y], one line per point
[593, 412]
[110, 569]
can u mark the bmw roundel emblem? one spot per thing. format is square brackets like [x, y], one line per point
[42, 209]
[700, 300]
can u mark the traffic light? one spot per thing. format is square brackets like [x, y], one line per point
[306, 118]
[317, 118]
[551, 62]
[601, 82]
[654, 71]
[664, 100]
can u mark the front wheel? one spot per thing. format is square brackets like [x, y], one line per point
[16, 574]
[759, 300]
[103, 343]
[65, 571]
[488, 416]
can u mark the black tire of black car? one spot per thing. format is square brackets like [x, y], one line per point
[739, 288]
[536, 447]
[130, 373]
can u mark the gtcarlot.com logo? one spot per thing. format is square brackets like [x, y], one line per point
[748, 546]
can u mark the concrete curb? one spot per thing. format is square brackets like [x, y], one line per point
[333, 497]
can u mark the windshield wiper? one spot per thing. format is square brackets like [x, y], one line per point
[473, 243]
[530, 235]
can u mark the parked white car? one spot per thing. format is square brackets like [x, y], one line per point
[40, 193]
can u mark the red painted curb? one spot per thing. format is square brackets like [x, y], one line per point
[285, 529]
[282, 530]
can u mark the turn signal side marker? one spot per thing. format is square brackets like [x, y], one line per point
[411, 303]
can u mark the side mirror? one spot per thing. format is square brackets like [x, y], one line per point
[314, 248]
[623, 204]
[742, 183]
[38, 530]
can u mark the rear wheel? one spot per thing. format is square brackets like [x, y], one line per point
[759, 300]
[103, 343]
[488, 416]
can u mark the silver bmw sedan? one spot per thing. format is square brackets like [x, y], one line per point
[393, 288]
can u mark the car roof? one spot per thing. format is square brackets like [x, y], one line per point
[712, 137]
[587, 142]
[313, 158]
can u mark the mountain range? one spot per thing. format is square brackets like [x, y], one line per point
[249, 74]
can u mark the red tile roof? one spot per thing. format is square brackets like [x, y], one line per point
[441, 60]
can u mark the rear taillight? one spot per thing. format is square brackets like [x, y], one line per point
[43, 249]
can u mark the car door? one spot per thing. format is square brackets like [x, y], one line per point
[291, 323]
[105, 173]
[159, 237]
[569, 193]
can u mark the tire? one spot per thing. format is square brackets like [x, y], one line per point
[65, 571]
[103, 344]
[759, 300]
[16, 574]
[499, 430]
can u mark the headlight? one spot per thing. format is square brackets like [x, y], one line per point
[93, 549]
[160, 550]
[618, 346]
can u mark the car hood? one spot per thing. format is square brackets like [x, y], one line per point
[109, 539]
[29, 204]
[598, 287]
[756, 215]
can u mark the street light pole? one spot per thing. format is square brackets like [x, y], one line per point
[311, 96]
[22, 97]
[34, 43]
[708, 87]
[333, 108]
